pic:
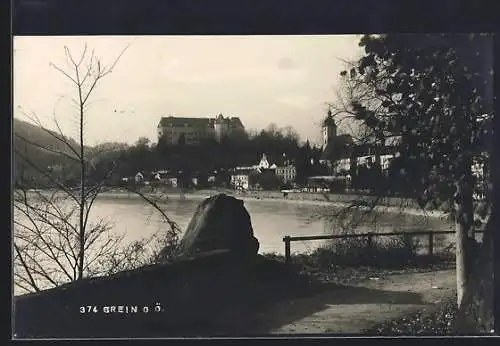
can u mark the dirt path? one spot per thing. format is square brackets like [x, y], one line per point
[352, 309]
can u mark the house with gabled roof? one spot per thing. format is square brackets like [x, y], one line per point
[284, 169]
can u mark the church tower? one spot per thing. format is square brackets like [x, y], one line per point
[221, 127]
[329, 128]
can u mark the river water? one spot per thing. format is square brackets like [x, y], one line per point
[271, 220]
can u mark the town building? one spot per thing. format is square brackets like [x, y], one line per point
[287, 173]
[339, 151]
[343, 165]
[264, 163]
[174, 130]
[240, 176]
[139, 177]
[166, 177]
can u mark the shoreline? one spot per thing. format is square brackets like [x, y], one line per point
[305, 199]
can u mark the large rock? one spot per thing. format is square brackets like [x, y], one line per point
[220, 222]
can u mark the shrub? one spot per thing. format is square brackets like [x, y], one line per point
[394, 252]
[274, 256]
[437, 320]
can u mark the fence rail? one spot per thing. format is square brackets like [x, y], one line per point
[430, 234]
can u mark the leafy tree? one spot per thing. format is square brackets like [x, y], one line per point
[143, 142]
[222, 178]
[268, 180]
[432, 90]
[303, 163]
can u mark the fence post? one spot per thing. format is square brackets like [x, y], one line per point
[286, 239]
[370, 243]
[431, 243]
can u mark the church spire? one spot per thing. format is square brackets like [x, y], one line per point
[329, 121]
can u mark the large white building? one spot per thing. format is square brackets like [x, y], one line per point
[192, 130]
[287, 173]
[240, 177]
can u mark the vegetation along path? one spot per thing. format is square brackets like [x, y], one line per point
[355, 308]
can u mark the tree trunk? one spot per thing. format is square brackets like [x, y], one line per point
[353, 169]
[475, 315]
[377, 171]
[81, 236]
[464, 231]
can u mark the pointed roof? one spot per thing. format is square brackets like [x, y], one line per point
[329, 120]
[263, 162]
[220, 119]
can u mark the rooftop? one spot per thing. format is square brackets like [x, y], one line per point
[185, 122]
[171, 121]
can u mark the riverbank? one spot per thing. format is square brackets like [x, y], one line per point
[384, 205]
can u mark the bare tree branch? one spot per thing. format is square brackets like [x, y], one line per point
[58, 241]
[49, 245]
[61, 138]
[31, 281]
[46, 148]
[102, 73]
[45, 174]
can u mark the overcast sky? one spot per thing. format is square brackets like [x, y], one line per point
[262, 79]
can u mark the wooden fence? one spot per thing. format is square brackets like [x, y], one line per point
[430, 234]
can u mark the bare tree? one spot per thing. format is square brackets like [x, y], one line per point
[54, 240]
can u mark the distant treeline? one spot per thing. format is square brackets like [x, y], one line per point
[281, 146]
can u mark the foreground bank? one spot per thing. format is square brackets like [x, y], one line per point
[217, 295]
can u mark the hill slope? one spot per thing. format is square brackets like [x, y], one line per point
[35, 150]
[32, 133]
